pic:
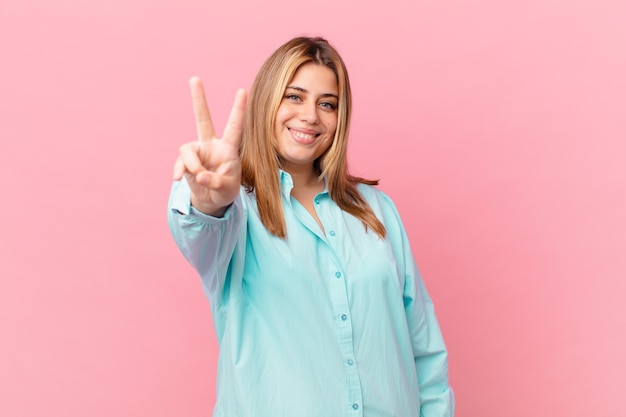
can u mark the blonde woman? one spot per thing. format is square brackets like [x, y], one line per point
[317, 303]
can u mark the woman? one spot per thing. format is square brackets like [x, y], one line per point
[319, 308]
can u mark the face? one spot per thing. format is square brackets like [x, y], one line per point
[307, 117]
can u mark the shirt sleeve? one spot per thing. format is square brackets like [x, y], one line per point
[429, 349]
[207, 242]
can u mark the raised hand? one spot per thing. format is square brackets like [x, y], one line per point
[211, 165]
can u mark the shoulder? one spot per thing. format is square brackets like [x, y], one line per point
[382, 205]
[385, 210]
[375, 197]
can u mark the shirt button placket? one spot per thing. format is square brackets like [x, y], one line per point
[346, 343]
[341, 304]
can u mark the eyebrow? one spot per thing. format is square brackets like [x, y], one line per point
[295, 87]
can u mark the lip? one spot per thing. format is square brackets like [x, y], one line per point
[303, 136]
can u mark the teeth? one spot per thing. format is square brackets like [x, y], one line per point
[302, 135]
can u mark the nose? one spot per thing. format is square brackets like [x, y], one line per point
[309, 113]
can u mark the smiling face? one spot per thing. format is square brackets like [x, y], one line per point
[306, 119]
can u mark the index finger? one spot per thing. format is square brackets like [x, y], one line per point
[204, 125]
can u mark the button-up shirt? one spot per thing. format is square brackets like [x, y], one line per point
[323, 323]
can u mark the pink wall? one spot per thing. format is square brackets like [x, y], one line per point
[498, 128]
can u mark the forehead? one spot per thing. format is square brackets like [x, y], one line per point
[315, 78]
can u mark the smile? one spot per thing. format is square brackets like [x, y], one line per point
[302, 137]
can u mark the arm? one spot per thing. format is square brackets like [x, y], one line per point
[429, 349]
[205, 210]
[207, 242]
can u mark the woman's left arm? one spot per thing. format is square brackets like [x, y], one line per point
[429, 349]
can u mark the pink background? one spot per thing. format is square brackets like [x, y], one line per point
[497, 126]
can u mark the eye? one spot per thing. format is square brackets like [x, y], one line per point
[293, 97]
[328, 105]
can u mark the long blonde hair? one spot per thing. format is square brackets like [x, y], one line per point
[259, 158]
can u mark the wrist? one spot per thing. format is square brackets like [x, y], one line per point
[208, 209]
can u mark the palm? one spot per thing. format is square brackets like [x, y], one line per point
[219, 184]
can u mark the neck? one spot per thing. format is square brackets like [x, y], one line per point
[303, 177]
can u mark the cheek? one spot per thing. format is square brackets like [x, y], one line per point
[331, 126]
[282, 114]
[328, 140]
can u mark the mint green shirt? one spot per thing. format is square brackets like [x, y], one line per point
[335, 324]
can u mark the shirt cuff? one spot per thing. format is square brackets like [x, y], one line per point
[180, 204]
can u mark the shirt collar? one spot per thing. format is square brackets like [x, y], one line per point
[286, 185]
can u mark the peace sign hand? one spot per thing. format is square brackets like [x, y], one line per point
[211, 165]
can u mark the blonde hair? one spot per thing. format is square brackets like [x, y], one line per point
[259, 158]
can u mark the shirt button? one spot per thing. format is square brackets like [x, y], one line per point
[350, 362]
[338, 274]
[317, 200]
[344, 317]
[355, 406]
[332, 233]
